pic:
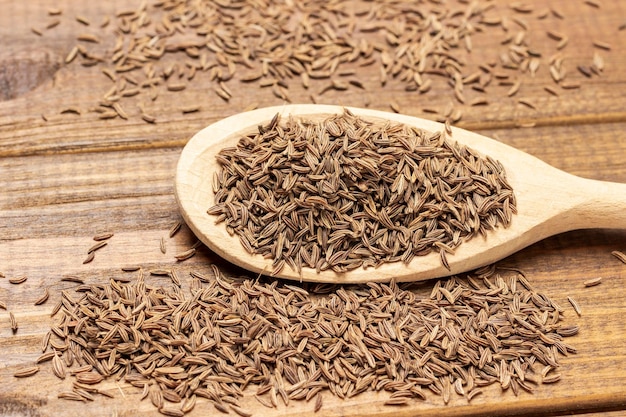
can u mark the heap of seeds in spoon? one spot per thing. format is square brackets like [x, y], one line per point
[343, 192]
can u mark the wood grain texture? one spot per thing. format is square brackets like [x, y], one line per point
[64, 180]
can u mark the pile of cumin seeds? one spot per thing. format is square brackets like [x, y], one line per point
[225, 340]
[344, 192]
[296, 51]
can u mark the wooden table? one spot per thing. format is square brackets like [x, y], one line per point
[66, 177]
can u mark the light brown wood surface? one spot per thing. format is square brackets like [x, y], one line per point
[68, 178]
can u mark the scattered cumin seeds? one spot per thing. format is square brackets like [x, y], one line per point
[3, 305]
[88, 37]
[526, 102]
[73, 278]
[18, 280]
[13, 321]
[70, 395]
[190, 109]
[223, 94]
[83, 20]
[557, 13]
[71, 110]
[36, 31]
[103, 236]
[474, 392]
[120, 111]
[43, 298]
[26, 372]
[240, 411]
[584, 70]
[176, 86]
[551, 91]
[171, 411]
[131, 268]
[53, 24]
[397, 401]
[318, 403]
[58, 367]
[575, 305]
[593, 3]
[162, 245]
[148, 118]
[160, 272]
[619, 255]
[89, 378]
[185, 255]
[174, 229]
[479, 101]
[602, 45]
[552, 378]
[98, 245]
[71, 55]
[356, 171]
[593, 282]
[46, 357]
[90, 257]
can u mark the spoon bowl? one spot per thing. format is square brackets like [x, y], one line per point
[549, 201]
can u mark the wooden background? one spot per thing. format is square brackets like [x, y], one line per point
[65, 179]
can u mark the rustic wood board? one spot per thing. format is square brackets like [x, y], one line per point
[66, 179]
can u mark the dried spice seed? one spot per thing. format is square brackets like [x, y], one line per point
[174, 229]
[593, 282]
[602, 45]
[527, 103]
[185, 255]
[13, 321]
[83, 20]
[551, 91]
[103, 236]
[90, 257]
[619, 255]
[382, 343]
[18, 280]
[338, 43]
[97, 246]
[131, 268]
[43, 298]
[46, 357]
[72, 278]
[575, 305]
[26, 372]
[88, 37]
[357, 190]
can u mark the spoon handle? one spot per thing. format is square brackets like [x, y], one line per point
[604, 207]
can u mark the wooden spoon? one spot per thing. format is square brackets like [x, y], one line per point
[549, 201]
